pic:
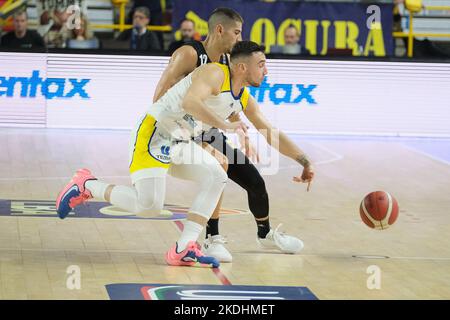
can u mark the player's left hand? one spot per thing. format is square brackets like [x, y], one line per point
[307, 176]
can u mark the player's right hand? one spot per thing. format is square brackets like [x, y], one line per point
[307, 176]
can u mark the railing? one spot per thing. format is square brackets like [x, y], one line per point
[411, 34]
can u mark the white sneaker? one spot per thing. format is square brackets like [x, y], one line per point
[214, 247]
[278, 240]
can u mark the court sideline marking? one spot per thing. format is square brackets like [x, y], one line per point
[334, 157]
[349, 256]
[426, 154]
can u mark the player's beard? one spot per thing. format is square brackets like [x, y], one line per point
[254, 83]
[229, 48]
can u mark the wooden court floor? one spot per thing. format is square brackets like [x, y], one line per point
[412, 257]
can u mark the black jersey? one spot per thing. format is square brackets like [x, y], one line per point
[202, 56]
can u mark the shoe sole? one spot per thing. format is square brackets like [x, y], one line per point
[205, 252]
[274, 247]
[178, 263]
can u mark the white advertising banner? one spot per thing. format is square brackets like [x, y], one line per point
[298, 96]
[362, 98]
[111, 91]
[22, 102]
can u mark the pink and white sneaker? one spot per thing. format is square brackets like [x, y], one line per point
[189, 256]
[74, 193]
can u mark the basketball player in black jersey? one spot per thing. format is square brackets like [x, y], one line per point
[224, 30]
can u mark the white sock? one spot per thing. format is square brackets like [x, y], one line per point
[191, 232]
[97, 188]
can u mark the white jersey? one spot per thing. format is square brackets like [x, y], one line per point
[171, 117]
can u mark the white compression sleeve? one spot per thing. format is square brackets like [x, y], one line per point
[196, 164]
[145, 199]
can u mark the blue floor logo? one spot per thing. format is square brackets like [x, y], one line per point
[135, 291]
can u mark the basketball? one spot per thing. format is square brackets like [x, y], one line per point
[379, 210]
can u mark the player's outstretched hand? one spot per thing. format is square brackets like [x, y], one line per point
[306, 177]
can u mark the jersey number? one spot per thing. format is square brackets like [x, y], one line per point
[203, 59]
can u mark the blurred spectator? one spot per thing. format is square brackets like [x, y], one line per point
[397, 25]
[56, 34]
[140, 38]
[21, 37]
[154, 6]
[53, 17]
[187, 29]
[82, 37]
[291, 45]
[428, 49]
[156, 13]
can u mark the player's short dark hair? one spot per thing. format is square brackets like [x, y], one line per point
[245, 49]
[223, 16]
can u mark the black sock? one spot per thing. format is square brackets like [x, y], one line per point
[263, 228]
[212, 227]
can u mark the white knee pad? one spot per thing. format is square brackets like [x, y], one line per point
[219, 176]
[210, 191]
[199, 166]
[150, 197]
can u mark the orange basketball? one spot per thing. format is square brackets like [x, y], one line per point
[379, 210]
